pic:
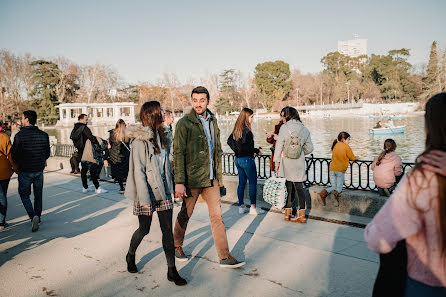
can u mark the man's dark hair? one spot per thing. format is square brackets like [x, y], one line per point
[200, 90]
[31, 115]
[81, 116]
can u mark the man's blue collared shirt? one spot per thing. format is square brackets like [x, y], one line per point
[206, 122]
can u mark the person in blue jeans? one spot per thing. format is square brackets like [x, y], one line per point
[241, 141]
[30, 150]
[7, 169]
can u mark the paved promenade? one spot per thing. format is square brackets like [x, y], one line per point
[80, 248]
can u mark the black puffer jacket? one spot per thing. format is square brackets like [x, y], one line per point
[30, 149]
[243, 147]
[79, 136]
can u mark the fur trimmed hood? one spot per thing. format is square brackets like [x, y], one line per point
[139, 132]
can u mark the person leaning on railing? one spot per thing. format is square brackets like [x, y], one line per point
[387, 169]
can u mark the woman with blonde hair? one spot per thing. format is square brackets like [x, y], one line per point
[149, 185]
[119, 154]
[416, 212]
[241, 141]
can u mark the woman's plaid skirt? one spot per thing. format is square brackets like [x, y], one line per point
[138, 210]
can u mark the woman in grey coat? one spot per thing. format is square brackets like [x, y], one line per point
[290, 160]
[149, 185]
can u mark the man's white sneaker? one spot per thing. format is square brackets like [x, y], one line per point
[101, 190]
[256, 211]
[86, 190]
[35, 224]
[242, 210]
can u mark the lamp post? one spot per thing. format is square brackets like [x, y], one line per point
[297, 100]
[348, 92]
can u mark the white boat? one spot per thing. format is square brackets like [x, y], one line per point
[384, 131]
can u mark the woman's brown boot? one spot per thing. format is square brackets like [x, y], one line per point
[300, 218]
[336, 194]
[323, 194]
[287, 214]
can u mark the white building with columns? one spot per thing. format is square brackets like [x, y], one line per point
[98, 113]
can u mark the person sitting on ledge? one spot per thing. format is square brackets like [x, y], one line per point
[387, 169]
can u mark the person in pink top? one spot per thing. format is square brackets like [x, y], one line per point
[387, 169]
[416, 212]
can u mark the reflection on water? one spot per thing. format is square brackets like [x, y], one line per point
[323, 132]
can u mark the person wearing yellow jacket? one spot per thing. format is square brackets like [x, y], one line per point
[342, 154]
[7, 168]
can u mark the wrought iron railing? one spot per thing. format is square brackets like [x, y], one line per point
[359, 175]
[62, 150]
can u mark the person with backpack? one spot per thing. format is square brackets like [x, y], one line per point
[119, 154]
[79, 136]
[94, 156]
[342, 154]
[387, 169]
[293, 143]
[241, 141]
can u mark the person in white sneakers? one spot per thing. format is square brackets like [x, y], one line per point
[93, 157]
[241, 141]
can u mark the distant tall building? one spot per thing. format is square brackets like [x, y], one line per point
[353, 48]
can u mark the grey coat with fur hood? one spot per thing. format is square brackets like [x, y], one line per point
[144, 181]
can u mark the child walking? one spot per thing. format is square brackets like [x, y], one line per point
[387, 169]
[342, 154]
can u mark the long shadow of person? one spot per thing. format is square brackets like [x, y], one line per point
[67, 214]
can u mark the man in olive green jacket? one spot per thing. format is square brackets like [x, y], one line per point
[197, 163]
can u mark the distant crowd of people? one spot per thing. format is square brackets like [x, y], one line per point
[154, 166]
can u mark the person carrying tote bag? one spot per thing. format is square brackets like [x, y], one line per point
[293, 143]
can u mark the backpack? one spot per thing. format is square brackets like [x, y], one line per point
[98, 150]
[76, 137]
[292, 148]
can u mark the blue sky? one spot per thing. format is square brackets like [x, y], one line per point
[144, 39]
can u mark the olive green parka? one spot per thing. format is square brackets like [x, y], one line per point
[191, 152]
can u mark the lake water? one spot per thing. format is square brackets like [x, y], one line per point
[323, 132]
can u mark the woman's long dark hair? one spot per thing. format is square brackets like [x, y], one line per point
[151, 116]
[341, 135]
[389, 146]
[290, 113]
[435, 126]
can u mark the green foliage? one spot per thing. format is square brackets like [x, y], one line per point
[272, 80]
[391, 74]
[229, 93]
[432, 67]
[45, 76]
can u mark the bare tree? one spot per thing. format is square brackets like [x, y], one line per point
[97, 82]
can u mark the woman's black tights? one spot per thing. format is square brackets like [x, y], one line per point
[165, 219]
[300, 193]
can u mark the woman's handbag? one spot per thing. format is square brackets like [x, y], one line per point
[274, 191]
[392, 273]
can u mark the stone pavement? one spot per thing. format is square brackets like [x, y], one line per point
[80, 250]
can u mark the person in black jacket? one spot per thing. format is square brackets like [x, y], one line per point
[30, 150]
[79, 136]
[241, 141]
[119, 153]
